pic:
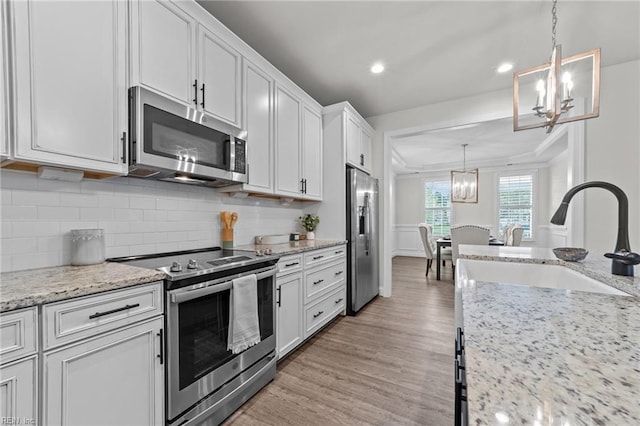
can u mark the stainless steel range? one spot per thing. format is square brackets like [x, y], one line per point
[206, 382]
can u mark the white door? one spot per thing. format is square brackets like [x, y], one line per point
[353, 140]
[312, 153]
[219, 78]
[289, 333]
[18, 390]
[287, 144]
[70, 78]
[163, 49]
[365, 146]
[258, 103]
[114, 379]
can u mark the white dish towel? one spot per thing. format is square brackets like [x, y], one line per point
[244, 329]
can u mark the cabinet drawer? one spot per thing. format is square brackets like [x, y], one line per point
[67, 321]
[320, 313]
[322, 279]
[316, 257]
[18, 333]
[290, 264]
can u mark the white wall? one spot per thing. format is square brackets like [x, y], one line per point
[138, 217]
[612, 148]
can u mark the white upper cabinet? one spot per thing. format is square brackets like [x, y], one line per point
[358, 140]
[288, 170]
[220, 78]
[298, 147]
[312, 153]
[176, 55]
[70, 69]
[162, 49]
[258, 119]
[4, 99]
[365, 146]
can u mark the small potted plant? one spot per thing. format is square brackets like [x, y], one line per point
[309, 223]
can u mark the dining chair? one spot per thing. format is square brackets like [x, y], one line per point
[467, 234]
[429, 245]
[507, 235]
[516, 235]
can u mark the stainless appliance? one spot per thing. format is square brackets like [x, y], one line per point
[205, 382]
[362, 236]
[173, 142]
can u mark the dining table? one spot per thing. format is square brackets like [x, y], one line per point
[446, 242]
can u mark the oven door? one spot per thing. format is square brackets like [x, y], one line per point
[198, 328]
[170, 136]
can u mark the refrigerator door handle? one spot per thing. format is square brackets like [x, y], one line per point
[367, 208]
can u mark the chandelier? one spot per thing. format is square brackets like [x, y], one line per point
[464, 183]
[559, 91]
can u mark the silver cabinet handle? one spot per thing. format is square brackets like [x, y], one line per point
[339, 300]
[317, 257]
[339, 272]
[318, 314]
[339, 252]
[318, 282]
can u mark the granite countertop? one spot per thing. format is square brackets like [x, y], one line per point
[22, 289]
[550, 356]
[291, 247]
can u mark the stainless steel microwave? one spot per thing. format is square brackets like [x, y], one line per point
[174, 142]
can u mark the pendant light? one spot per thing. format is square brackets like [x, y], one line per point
[464, 183]
[559, 91]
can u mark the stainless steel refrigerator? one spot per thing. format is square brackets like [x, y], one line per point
[362, 236]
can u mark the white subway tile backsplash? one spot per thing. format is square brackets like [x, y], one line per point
[58, 213]
[137, 215]
[96, 213]
[11, 246]
[143, 203]
[35, 229]
[21, 197]
[78, 200]
[19, 213]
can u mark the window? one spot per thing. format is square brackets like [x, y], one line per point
[437, 206]
[516, 202]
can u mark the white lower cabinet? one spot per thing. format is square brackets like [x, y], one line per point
[113, 379]
[311, 292]
[18, 391]
[289, 333]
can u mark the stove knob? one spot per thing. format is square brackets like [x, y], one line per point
[176, 267]
[193, 264]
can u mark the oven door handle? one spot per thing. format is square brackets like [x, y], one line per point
[186, 295]
[200, 292]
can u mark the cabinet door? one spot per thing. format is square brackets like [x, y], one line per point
[353, 134]
[287, 144]
[289, 333]
[163, 49]
[219, 77]
[312, 153]
[365, 145]
[258, 119]
[114, 379]
[70, 77]
[18, 391]
[4, 105]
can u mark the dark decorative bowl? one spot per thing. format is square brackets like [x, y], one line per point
[570, 254]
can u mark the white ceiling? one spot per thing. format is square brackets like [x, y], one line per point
[434, 51]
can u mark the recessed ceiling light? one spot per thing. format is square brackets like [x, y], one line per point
[377, 68]
[505, 67]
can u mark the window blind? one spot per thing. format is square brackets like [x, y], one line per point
[516, 202]
[437, 206]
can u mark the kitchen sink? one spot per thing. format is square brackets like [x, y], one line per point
[536, 275]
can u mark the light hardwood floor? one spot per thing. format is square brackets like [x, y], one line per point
[392, 364]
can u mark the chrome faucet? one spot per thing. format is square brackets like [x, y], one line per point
[622, 258]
